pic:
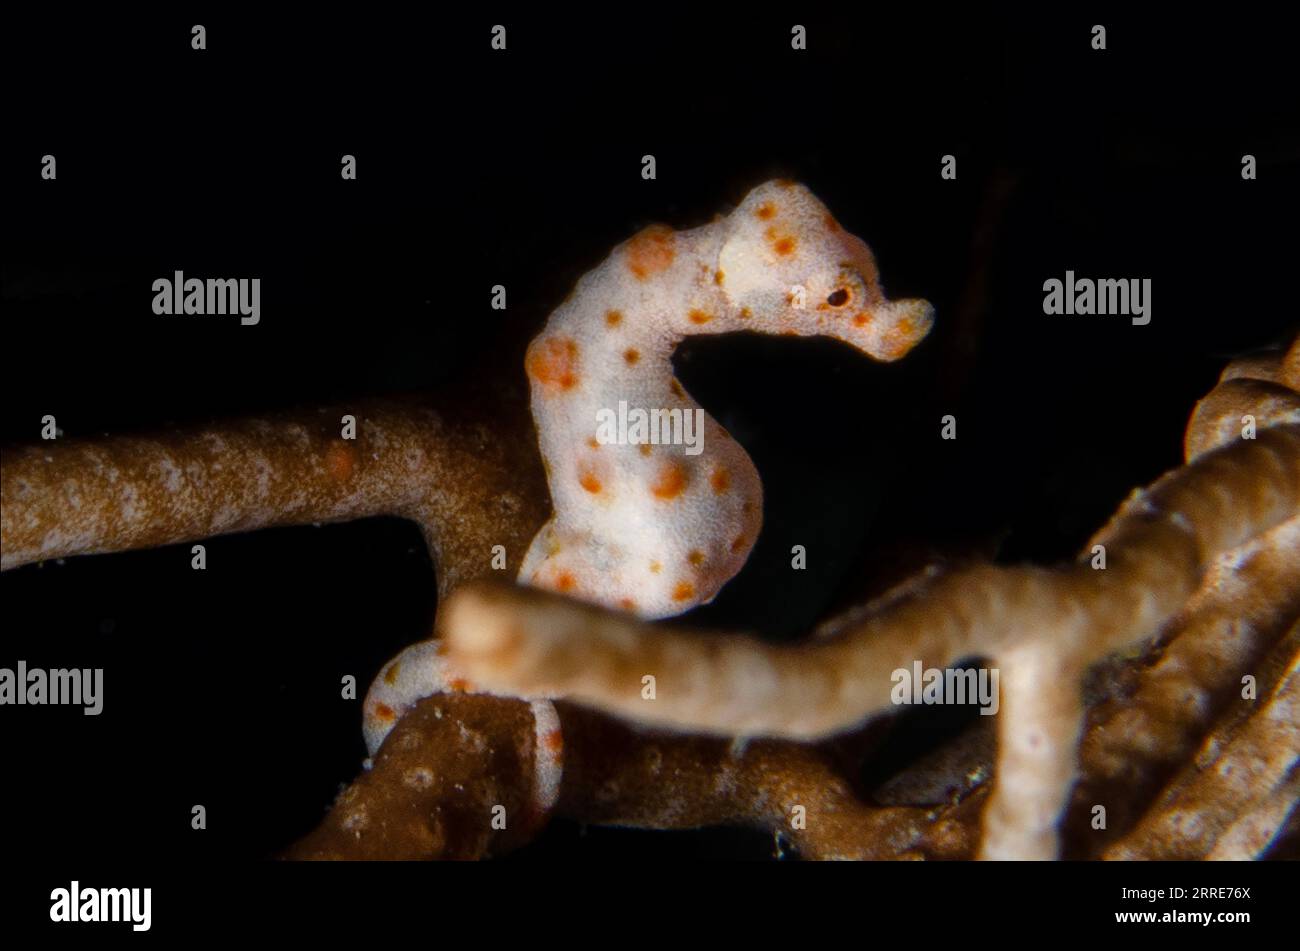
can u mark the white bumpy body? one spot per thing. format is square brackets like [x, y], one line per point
[648, 524]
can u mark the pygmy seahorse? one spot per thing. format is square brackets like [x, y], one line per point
[650, 525]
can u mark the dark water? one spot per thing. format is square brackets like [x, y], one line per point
[523, 169]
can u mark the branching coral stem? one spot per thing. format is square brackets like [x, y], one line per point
[1158, 547]
[468, 486]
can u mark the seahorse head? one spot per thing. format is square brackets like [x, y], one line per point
[788, 267]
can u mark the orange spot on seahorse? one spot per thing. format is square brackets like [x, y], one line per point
[700, 316]
[670, 482]
[651, 251]
[782, 244]
[384, 712]
[553, 362]
[390, 675]
[765, 211]
[720, 479]
[613, 318]
[589, 482]
[684, 591]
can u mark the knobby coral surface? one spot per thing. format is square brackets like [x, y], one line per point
[456, 462]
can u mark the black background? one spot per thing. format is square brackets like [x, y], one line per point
[523, 168]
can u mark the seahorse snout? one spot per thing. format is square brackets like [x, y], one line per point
[896, 327]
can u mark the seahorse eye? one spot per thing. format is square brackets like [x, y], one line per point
[838, 298]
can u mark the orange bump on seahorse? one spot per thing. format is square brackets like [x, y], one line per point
[655, 518]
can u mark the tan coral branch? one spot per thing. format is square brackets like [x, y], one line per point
[1044, 628]
[1137, 738]
[449, 768]
[618, 775]
[1251, 834]
[525, 641]
[467, 484]
[1249, 774]
[454, 756]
